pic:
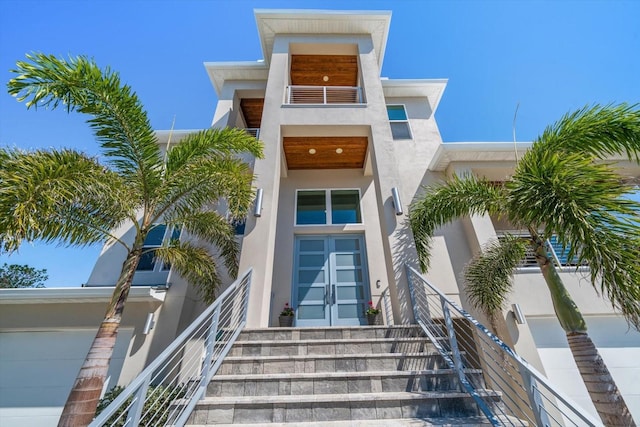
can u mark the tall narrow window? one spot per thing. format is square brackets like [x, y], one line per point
[157, 236]
[326, 207]
[399, 122]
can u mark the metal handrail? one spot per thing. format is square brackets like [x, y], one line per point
[254, 132]
[527, 396]
[167, 390]
[387, 307]
[324, 95]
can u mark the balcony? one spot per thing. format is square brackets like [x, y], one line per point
[323, 95]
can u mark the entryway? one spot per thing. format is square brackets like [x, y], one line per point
[330, 286]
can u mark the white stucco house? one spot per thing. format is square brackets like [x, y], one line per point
[346, 152]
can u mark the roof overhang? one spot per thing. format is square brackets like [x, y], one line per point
[84, 295]
[219, 72]
[451, 152]
[271, 22]
[432, 89]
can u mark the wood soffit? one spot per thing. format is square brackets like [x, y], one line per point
[252, 111]
[296, 150]
[309, 70]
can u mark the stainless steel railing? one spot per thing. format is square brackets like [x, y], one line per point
[166, 392]
[323, 95]
[526, 397]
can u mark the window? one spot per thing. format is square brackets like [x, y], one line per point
[342, 206]
[399, 122]
[158, 235]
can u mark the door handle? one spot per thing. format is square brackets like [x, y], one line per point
[334, 294]
[327, 294]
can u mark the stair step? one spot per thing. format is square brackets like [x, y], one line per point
[334, 407]
[330, 333]
[332, 346]
[475, 421]
[331, 363]
[337, 382]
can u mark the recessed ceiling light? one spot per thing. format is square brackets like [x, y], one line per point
[339, 150]
[312, 151]
[325, 78]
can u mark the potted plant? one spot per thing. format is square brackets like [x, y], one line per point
[371, 313]
[286, 316]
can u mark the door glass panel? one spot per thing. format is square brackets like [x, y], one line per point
[349, 311]
[312, 245]
[308, 293]
[307, 312]
[347, 245]
[347, 260]
[310, 276]
[350, 292]
[345, 207]
[349, 276]
[311, 260]
[311, 207]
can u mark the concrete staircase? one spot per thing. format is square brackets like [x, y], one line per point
[354, 376]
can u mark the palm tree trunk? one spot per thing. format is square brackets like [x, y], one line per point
[602, 389]
[80, 408]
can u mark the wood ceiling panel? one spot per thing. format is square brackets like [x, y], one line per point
[252, 111]
[309, 70]
[354, 150]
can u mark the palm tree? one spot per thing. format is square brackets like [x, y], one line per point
[562, 186]
[67, 197]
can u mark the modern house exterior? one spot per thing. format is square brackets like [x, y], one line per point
[346, 152]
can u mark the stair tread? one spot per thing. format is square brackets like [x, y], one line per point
[331, 356]
[345, 374]
[470, 421]
[326, 398]
[336, 341]
[334, 328]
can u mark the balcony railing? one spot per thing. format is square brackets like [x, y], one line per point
[323, 95]
[254, 132]
[559, 254]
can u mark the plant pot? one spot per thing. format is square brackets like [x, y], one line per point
[371, 319]
[285, 321]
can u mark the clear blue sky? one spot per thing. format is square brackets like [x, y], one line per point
[548, 56]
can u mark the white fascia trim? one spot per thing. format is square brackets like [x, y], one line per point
[72, 295]
[442, 157]
[218, 72]
[417, 87]
[361, 17]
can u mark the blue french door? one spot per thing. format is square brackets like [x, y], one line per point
[330, 282]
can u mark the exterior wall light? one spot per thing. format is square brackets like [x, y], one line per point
[397, 204]
[339, 150]
[148, 324]
[257, 207]
[518, 315]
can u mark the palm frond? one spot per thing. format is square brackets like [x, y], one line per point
[586, 205]
[211, 143]
[600, 131]
[61, 196]
[212, 227]
[195, 264]
[118, 119]
[204, 183]
[454, 199]
[489, 275]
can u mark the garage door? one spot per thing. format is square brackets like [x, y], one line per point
[37, 370]
[618, 345]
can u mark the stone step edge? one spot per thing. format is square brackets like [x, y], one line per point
[258, 358]
[337, 341]
[471, 421]
[338, 375]
[332, 398]
[335, 328]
